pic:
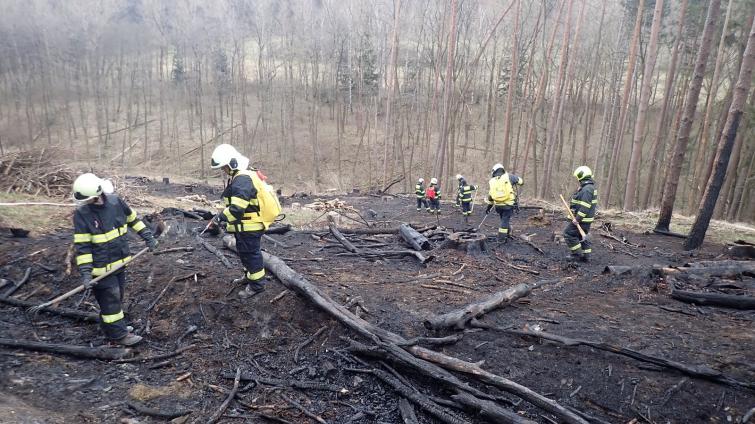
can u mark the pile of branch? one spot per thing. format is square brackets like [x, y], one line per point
[327, 205]
[34, 172]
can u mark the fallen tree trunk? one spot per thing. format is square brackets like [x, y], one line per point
[698, 371]
[459, 318]
[278, 229]
[416, 240]
[731, 271]
[64, 312]
[340, 237]
[388, 341]
[714, 299]
[105, 353]
[489, 411]
[502, 383]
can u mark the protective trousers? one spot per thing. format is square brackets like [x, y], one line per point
[435, 205]
[109, 295]
[466, 208]
[421, 201]
[574, 240]
[248, 248]
[505, 213]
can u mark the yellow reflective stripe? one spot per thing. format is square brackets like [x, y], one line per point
[99, 271]
[138, 226]
[227, 201]
[109, 319]
[580, 203]
[82, 238]
[227, 213]
[245, 226]
[254, 202]
[110, 235]
[587, 251]
[575, 247]
[588, 219]
[131, 217]
[582, 214]
[594, 201]
[503, 230]
[84, 259]
[254, 276]
[242, 203]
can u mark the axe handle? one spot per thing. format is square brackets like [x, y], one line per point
[574, 220]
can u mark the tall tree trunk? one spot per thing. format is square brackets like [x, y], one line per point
[639, 127]
[512, 82]
[698, 162]
[391, 85]
[690, 106]
[660, 131]
[725, 145]
[624, 111]
[438, 169]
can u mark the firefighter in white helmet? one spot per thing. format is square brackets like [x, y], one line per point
[419, 192]
[584, 205]
[433, 195]
[502, 196]
[101, 222]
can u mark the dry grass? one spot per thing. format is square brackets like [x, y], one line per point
[38, 219]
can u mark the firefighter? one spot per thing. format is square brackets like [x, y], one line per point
[241, 217]
[419, 191]
[584, 205]
[502, 196]
[465, 197]
[457, 203]
[101, 222]
[433, 195]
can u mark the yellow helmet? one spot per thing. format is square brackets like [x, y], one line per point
[582, 172]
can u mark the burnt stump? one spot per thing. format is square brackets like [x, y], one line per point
[470, 243]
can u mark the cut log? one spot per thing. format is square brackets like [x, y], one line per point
[489, 411]
[388, 341]
[470, 243]
[64, 312]
[698, 371]
[730, 271]
[278, 229]
[459, 318]
[638, 270]
[105, 353]
[714, 299]
[726, 262]
[412, 237]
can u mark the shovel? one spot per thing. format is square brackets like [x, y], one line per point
[573, 219]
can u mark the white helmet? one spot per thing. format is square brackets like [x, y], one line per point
[497, 167]
[227, 155]
[459, 177]
[87, 187]
[421, 180]
[582, 172]
[107, 186]
[433, 181]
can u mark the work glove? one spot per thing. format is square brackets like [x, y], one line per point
[152, 244]
[86, 279]
[488, 209]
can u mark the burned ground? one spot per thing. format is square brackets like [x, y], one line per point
[266, 335]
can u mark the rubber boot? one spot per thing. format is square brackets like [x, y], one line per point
[248, 293]
[129, 339]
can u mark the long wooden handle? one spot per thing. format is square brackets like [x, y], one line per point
[574, 220]
[82, 287]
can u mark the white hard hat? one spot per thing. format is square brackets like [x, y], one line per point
[433, 181]
[497, 167]
[421, 180]
[459, 177]
[107, 186]
[227, 155]
[582, 172]
[86, 187]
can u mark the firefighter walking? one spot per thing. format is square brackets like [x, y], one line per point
[241, 216]
[502, 196]
[101, 222]
[433, 195]
[584, 205]
[465, 197]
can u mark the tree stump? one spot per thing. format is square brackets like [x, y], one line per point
[470, 243]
